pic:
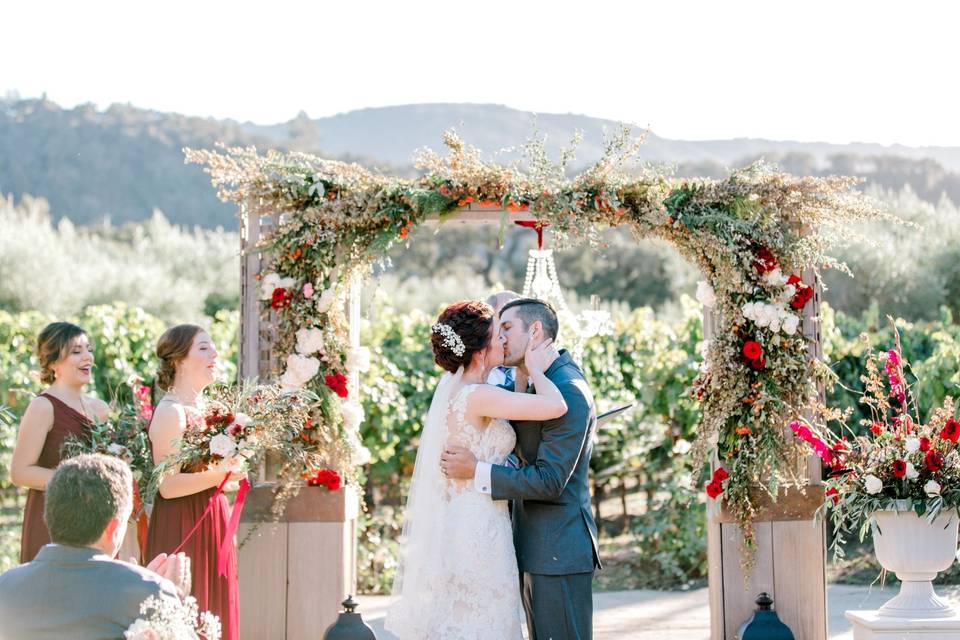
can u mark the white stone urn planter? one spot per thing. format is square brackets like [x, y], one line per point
[916, 550]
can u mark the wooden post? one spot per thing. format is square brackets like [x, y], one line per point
[294, 573]
[791, 546]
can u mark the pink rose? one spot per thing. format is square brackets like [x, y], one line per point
[308, 290]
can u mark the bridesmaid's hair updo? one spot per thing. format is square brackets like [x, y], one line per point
[53, 343]
[471, 321]
[172, 348]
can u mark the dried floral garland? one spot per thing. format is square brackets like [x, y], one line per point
[751, 235]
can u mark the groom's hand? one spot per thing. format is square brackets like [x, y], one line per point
[458, 463]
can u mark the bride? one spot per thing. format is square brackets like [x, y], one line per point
[458, 575]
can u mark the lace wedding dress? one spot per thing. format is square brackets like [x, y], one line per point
[458, 574]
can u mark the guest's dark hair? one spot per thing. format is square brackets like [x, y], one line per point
[472, 321]
[529, 310]
[53, 343]
[83, 495]
[172, 348]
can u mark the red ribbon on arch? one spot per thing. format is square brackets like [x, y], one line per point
[537, 226]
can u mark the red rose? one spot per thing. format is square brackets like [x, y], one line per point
[326, 477]
[924, 444]
[876, 428]
[899, 468]
[760, 364]
[951, 431]
[934, 461]
[720, 474]
[338, 383]
[714, 489]
[793, 279]
[801, 297]
[764, 260]
[752, 349]
[832, 491]
[281, 298]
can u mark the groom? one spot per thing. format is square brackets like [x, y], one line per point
[553, 528]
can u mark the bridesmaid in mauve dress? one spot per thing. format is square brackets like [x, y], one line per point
[66, 362]
[187, 360]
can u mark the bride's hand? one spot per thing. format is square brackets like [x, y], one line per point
[539, 358]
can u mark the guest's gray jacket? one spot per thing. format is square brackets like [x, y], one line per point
[75, 592]
[553, 527]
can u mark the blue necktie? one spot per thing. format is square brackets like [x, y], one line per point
[508, 379]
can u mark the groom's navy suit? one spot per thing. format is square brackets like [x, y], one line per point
[553, 527]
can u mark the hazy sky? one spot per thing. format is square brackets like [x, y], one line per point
[837, 71]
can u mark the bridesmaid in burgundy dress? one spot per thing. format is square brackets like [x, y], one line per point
[187, 360]
[66, 365]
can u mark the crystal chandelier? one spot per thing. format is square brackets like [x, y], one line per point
[541, 282]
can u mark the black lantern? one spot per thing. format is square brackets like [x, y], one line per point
[764, 623]
[350, 626]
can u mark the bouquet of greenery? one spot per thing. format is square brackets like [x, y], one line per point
[123, 435]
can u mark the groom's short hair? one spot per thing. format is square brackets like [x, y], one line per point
[529, 310]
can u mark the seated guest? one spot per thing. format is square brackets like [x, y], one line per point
[74, 588]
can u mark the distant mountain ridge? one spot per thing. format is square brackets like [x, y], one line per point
[122, 162]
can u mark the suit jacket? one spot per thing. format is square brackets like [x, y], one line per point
[553, 527]
[75, 592]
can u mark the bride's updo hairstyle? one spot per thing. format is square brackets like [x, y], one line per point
[463, 329]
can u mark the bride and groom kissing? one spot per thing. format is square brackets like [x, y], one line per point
[467, 558]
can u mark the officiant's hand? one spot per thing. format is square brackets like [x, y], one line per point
[458, 463]
[175, 568]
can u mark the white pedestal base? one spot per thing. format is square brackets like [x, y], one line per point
[867, 625]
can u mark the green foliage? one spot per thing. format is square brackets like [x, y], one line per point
[58, 269]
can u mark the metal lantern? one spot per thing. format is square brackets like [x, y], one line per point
[350, 626]
[764, 623]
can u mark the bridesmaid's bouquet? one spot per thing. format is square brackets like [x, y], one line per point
[240, 425]
[123, 434]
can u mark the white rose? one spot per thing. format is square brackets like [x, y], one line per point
[358, 360]
[912, 473]
[775, 278]
[139, 630]
[681, 447]
[932, 488]
[361, 455]
[300, 369]
[790, 324]
[326, 299]
[309, 341]
[222, 445]
[246, 449]
[912, 445]
[273, 281]
[241, 419]
[352, 414]
[116, 449]
[705, 294]
[872, 484]
[749, 310]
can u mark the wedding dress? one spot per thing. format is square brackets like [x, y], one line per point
[458, 571]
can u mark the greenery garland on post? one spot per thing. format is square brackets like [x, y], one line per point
[750, 234]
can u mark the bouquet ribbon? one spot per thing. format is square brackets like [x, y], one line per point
[224, 550]
[232, 526]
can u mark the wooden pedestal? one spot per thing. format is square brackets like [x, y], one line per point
[295, 573]
[790, 566]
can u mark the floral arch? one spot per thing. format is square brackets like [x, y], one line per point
[759, 238]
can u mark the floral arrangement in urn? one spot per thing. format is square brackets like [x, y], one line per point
[904, 463]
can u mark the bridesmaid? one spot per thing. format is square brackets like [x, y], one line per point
[187, 360]
[66, 366]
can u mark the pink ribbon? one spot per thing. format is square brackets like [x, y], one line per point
[232, 527]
